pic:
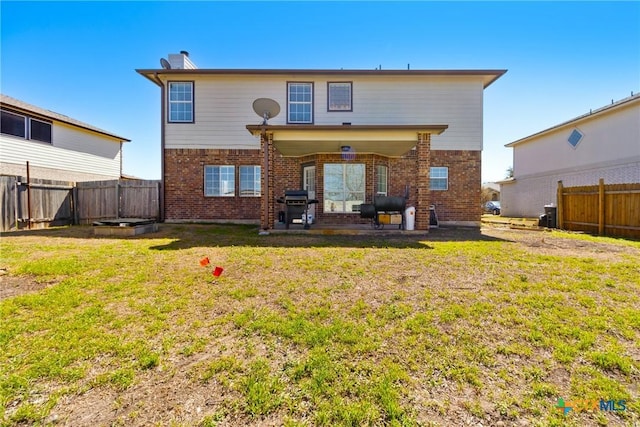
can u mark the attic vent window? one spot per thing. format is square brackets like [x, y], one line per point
[575, 138]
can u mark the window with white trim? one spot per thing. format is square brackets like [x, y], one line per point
[219, 181]
[25, 127]
[344, 187]
[299, 102]
[381, 180]
[14, 124]
[339, 96]
[439, 178]
[180, 102]
[249, 180]
[40, 131]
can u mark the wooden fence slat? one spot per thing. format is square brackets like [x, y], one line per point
[605, 209]
[58, 203]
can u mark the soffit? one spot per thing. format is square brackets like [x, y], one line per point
[385, 140]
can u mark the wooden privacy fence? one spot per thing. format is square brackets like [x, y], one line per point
[38, 203]
[117, 199]
[35, 203]
[612, 209]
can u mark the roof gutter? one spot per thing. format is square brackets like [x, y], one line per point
[489, 76]
[575, 121]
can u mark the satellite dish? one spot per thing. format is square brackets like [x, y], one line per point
[165, 64]
[266, 108]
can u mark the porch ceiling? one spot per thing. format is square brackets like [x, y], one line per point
[385, 140]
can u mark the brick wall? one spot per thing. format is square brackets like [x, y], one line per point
[184, 186]
[461, 202]
[184, 178]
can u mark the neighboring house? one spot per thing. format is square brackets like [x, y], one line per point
[343, 135]
[56, 146]
[490, 191]
[603, 143]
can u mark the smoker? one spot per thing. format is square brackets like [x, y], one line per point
[296, 206]
[383, 209]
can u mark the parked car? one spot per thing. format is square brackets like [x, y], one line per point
[493, 207]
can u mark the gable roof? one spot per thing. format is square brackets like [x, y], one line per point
[488, 76]
[593, 113]
[21, 106]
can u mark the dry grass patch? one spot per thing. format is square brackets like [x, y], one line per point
[459, 328]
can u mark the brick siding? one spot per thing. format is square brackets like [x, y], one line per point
[184, 186]
[462, 201]
[184, 180]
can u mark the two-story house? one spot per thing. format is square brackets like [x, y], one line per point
[56, 146]
[343, 135]
[603, 143]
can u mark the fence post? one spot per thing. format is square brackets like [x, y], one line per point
[17, 201]
[601, 207]
[28, 198]
[160, 216]
[117, 199]
[560, 206]
[75, 215]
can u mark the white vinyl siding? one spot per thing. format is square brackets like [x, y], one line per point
[605, 138]
[70, 138]
[61, 155]
[609, 149]
[223, 105]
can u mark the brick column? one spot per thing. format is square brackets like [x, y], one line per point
[423, 163]
[266, 181]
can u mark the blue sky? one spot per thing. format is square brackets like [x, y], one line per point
[78, 58]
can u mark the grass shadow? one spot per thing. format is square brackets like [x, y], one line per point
[184, 236]
[234, 235]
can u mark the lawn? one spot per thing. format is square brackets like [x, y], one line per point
[491, 328]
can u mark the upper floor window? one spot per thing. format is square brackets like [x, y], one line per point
[339, 96]
[25, 127]
[249, 180]
[439, 178]
[219, 181]
[299, 102]
[181, 102]
[14, 124]
[40, 131]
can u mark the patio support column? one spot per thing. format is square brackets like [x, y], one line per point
[423, 164]
[266, 181]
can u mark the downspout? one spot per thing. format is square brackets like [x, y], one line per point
[267, 172]
[162, 143]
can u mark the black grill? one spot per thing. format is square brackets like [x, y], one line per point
[297, 203]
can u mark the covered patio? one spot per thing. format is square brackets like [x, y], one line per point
[299, 156]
